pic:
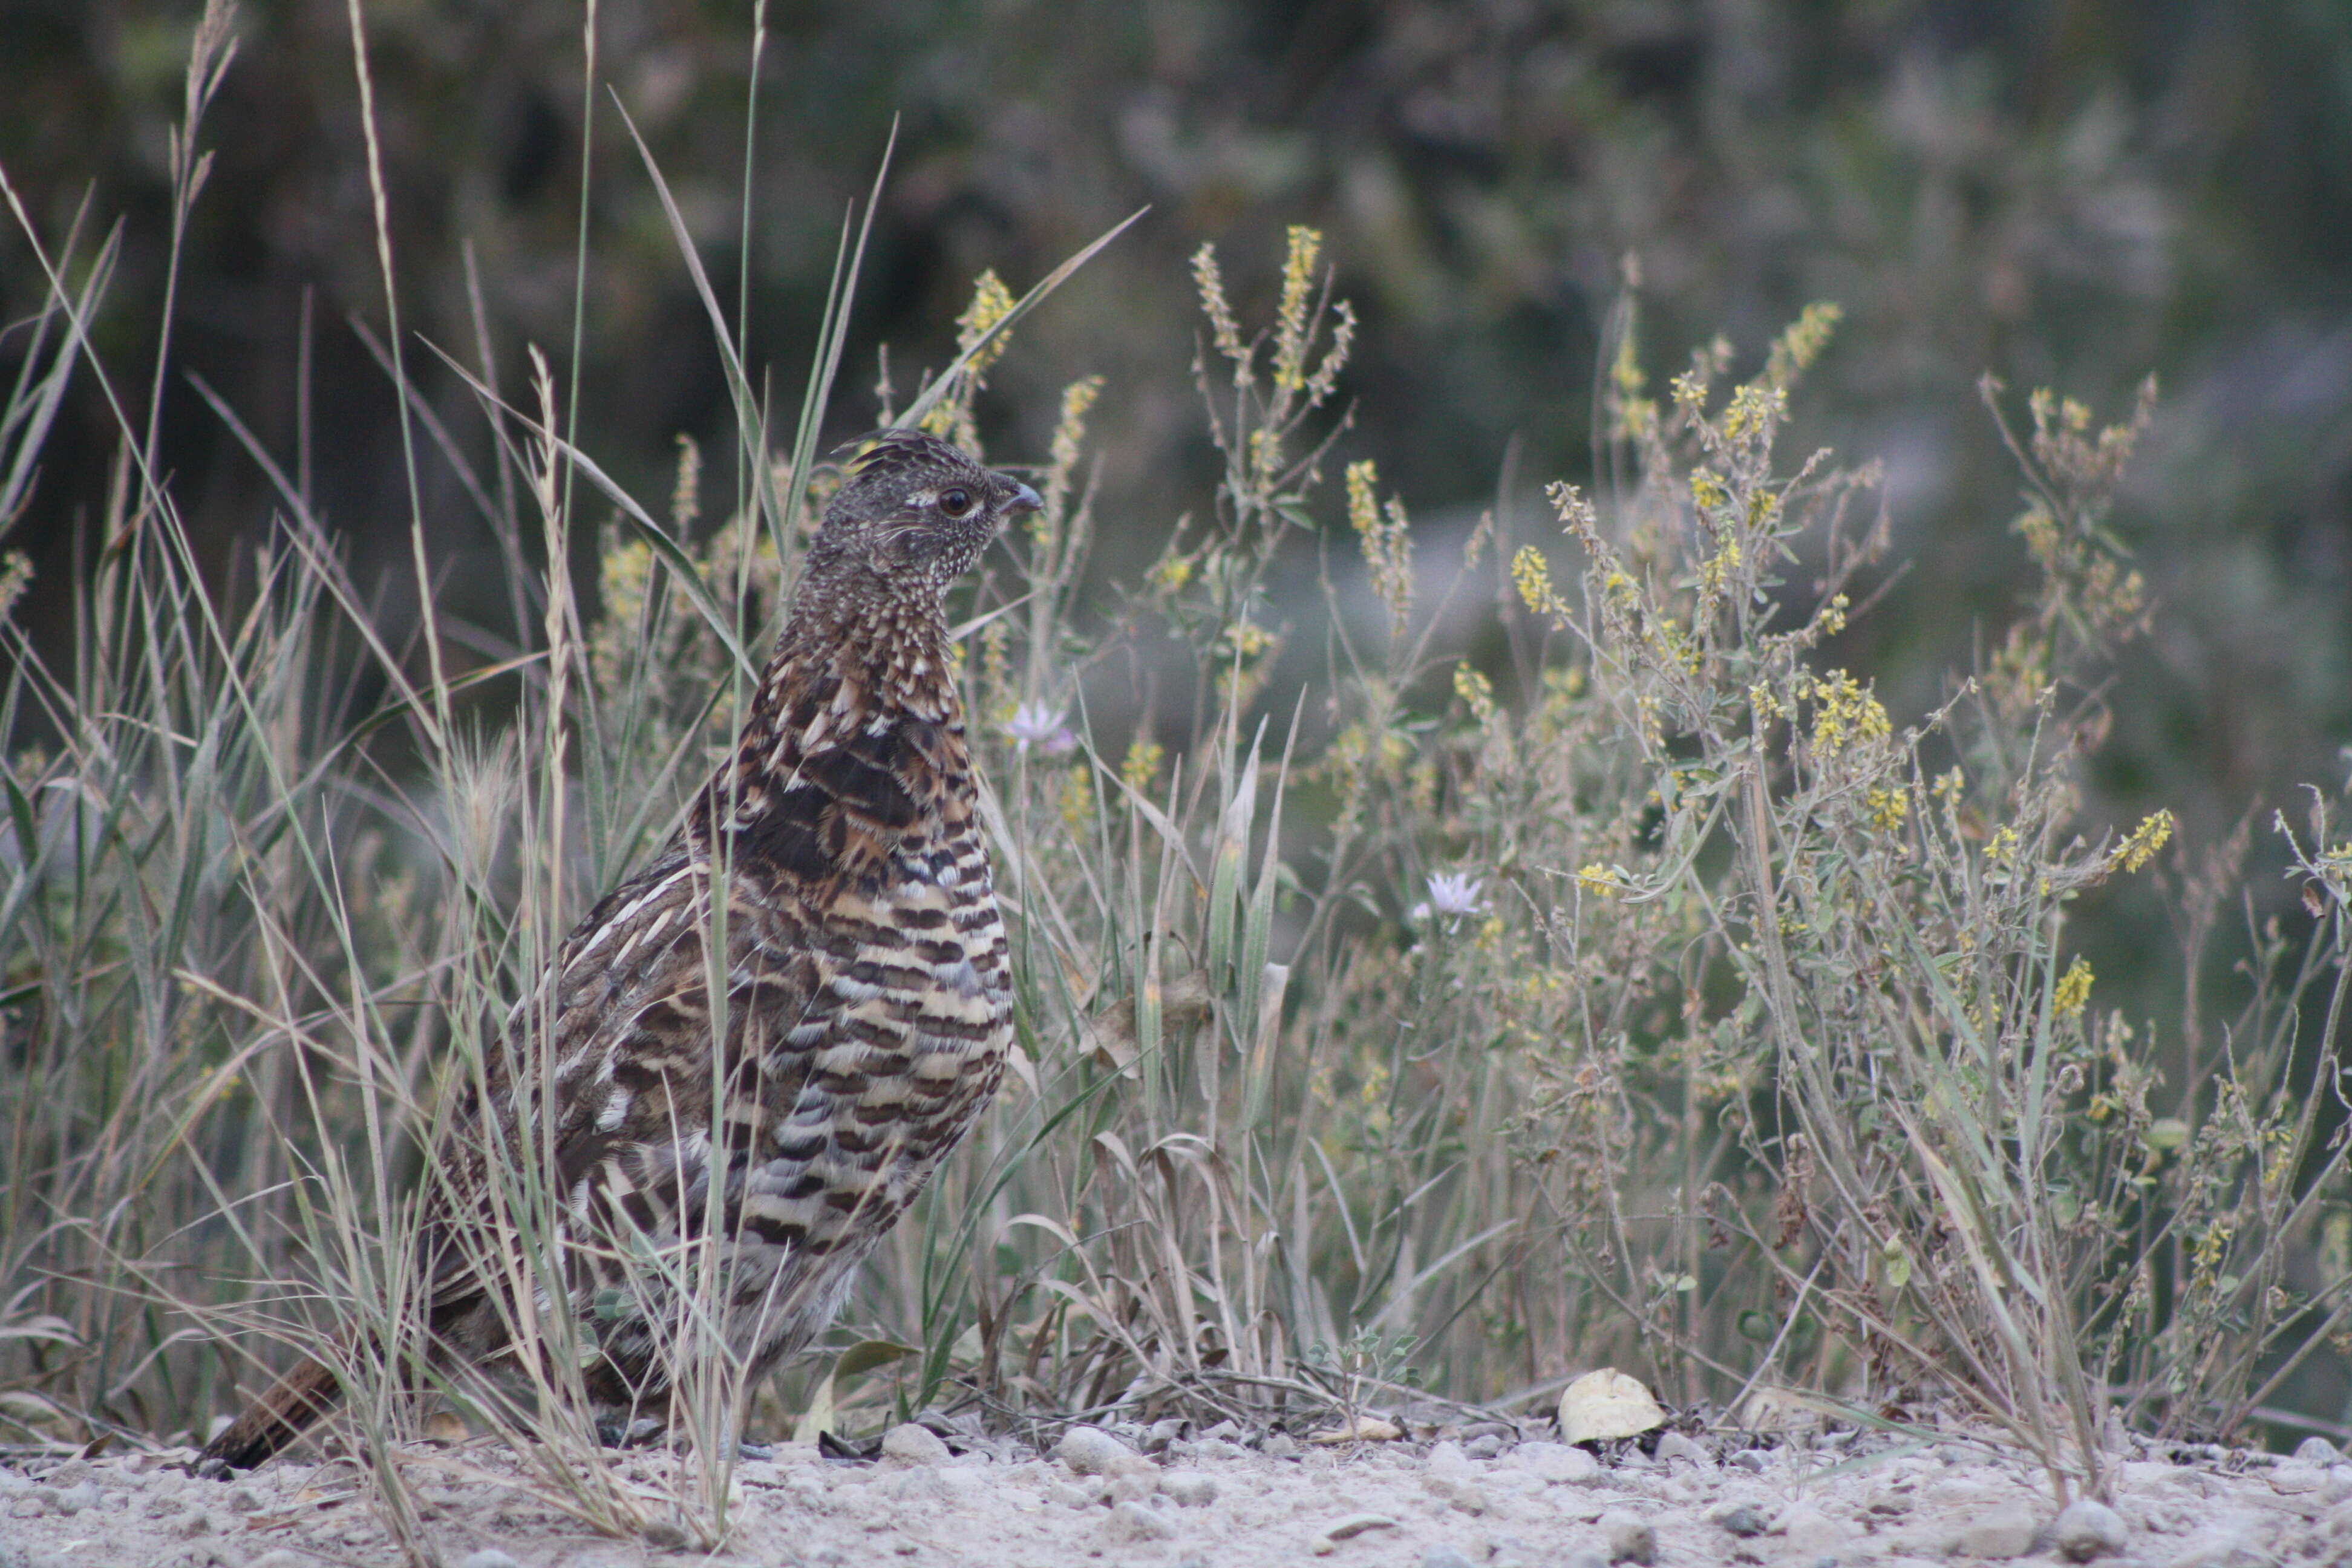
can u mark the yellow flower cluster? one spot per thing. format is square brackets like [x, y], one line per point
[1801, 343]
[1832, 620]
[1475, 690]
[950, 417]
[1387, 544]
[1223, 330]
[1078, 798]
[1532, 577]
[1247, 640]
[2073, 989]
[992, 301]
[623, 579]
[1889, 808]
[1600, 882]
[1290, 324]
[1069, 433]
[2152, 834]
[1634, 413]
[1141, 763]
[1754, 410]
[998, 700]
[1846, 713]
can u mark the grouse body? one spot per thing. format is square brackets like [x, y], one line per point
[864, 1006]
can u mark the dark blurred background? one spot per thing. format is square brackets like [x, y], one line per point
[2075, 192]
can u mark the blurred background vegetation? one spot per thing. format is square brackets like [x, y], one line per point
[2077, 193]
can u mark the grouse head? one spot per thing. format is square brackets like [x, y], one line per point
[914, 513]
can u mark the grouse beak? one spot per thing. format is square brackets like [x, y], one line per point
[1024, 500]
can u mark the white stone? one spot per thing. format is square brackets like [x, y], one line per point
[1091, 1451]
[2318, 1451]
[1133, 1521]
[2005, 1529]
[1443, 1556]
[2293, 1480]
[1190, 1488]
[912, 1444]
[1673, 1445]
[2087, 1528]
[1556, 1462]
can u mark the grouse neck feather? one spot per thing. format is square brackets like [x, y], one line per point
[856, 736]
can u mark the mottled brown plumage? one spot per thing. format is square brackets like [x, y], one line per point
[867, 995]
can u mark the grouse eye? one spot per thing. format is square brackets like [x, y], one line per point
[955, 502]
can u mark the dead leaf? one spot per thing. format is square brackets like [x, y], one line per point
[1607, 1404]
[1361, 1429]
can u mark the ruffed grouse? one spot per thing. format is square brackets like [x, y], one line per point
[868, 1002]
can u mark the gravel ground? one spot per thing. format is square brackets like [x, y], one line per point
[1213, 1502]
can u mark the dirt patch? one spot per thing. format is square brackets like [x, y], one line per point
[1220, 1504]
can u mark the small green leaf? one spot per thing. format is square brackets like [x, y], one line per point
[867, 1354]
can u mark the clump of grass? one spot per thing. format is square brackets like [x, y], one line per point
[1409, 1037]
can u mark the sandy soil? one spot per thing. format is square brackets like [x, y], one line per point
[1214, 1502]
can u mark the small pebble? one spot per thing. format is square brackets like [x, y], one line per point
[1631, 1538]
[2318, 1451]
[1675, 1445]
[1161, 1435]
[912, 1444]
[1133, 1521]
[1190, 1488]
[2087, 1528]
[1091, 1451]
[2003, 1530]
[1485, 1447]
[1447, 1462]
[1755, 1460]
[2295, 1479]
[1557, 1462]
[1740, 1520]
